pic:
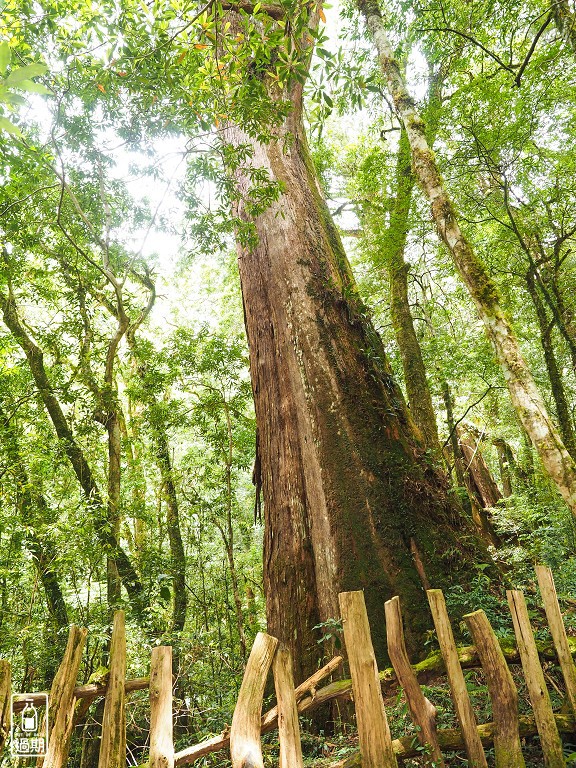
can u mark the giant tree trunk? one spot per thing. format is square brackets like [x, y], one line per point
[350, 502]
[525, 396]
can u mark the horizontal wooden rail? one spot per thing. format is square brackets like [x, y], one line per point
[89, 691]
[451, 739]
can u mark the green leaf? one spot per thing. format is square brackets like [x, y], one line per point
[5, 56]
[32, 87]
[17, 76]
[6, 125]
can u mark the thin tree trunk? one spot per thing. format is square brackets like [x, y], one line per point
[457, 457]
[487, 490]
[506, 463]
[482, 489]
[525, 396]
[555, 377]
[73, 451]
[34, 510]
[114, 492]
[131, 436]
[565, 20]
[177, 554]
[229, 539]
[164, 463]
[393, 248]
[348, 495]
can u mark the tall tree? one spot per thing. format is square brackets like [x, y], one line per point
[350, 501]
[35, 514]
[72, 448]
[156, 419]
[524, 393]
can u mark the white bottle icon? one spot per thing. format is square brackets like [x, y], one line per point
[29, 718]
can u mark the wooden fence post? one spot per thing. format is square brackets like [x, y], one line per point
[462, 705]
[5, 700]
[558, 632]
[245, 748]
[161, 723]
[373, 729]
[113, 744]
[423, 711]
[305, 693]
[62, 701]
[539, 696]
[503, 693]
[288, 726]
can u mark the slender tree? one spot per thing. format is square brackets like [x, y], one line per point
[73, 450]
[524, 393]
[34, 513]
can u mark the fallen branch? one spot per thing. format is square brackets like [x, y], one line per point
[451, 738]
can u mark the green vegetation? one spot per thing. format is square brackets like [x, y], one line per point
[132, 472]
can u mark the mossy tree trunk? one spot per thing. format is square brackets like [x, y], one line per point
[525, 396]
[565, 20]
[348, 495]
[393, 250]
[34, 512]
[546, 327]
[74, 452]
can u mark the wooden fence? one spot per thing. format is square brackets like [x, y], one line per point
[377, 748]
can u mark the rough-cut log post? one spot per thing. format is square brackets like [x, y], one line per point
[245, 746]
[113, 744]
[423, 711]
[557, 630]
[373, 729]
[288, 727]
[539, 696]
[63, 701]
[161, 725]
[503, 693]
[462, 705]
[5, 699]
[269, 720]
